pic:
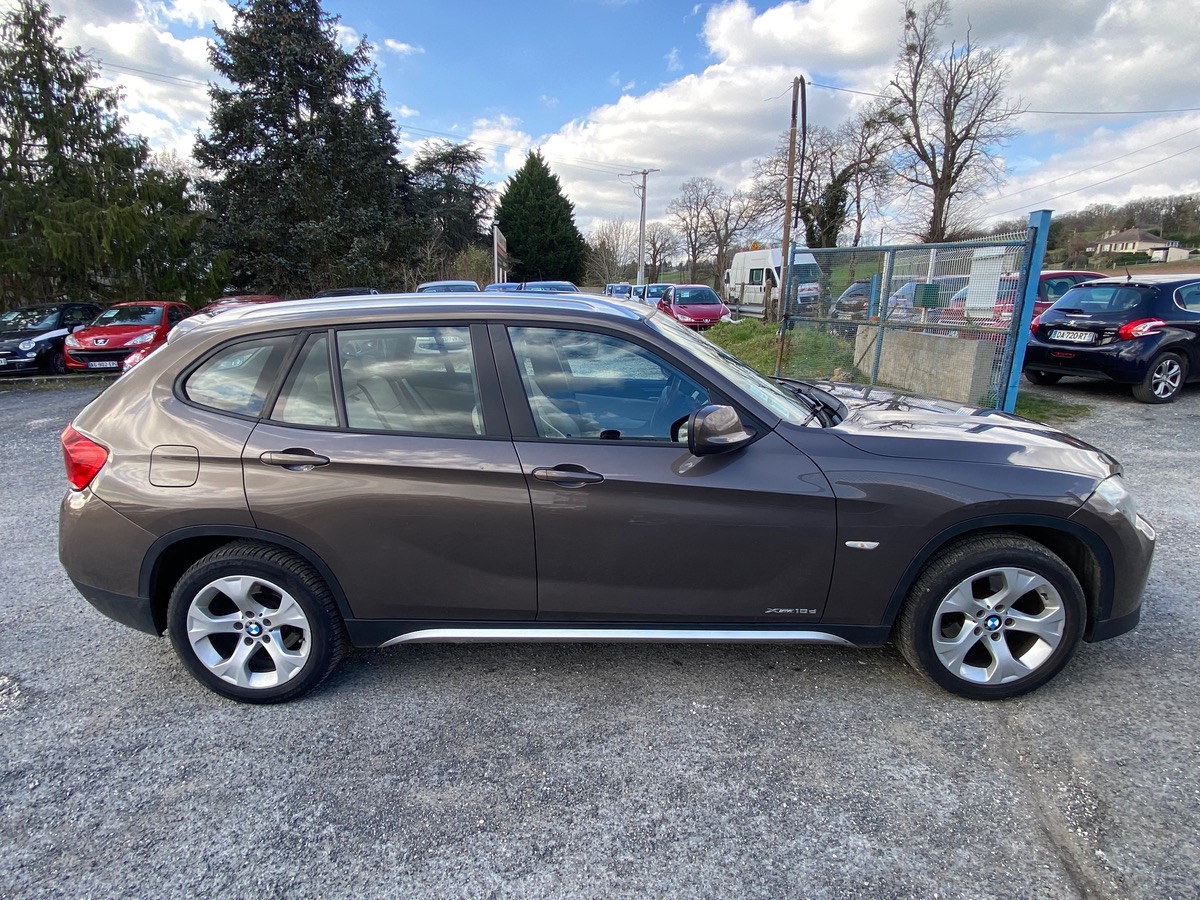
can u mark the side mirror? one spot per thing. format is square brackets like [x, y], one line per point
[716, 429]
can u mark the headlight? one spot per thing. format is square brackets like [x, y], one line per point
[684, 318]
[1111, 492]
[27, 345]
[140, 339]
[72, 341]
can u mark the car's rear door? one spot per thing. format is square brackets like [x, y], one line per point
[629, 525]
[399, 473]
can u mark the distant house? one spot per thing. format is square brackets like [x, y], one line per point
[1135, 240]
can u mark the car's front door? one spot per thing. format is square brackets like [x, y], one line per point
[399, 475]
[630, 526]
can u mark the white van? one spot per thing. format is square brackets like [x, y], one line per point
[752, 281]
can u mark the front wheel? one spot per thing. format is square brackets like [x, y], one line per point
[1039, 377]
[992, 617]
[255, 623]
[1163, 380]
[57, 363]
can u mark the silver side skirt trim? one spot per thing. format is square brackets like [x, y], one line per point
[656, 635]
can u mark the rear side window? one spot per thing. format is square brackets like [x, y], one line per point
[307, 395]
[238, 377]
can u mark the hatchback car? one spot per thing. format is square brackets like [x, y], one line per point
[121, 330]
[550, 286]
[694, 305]
[279, 483]
[446, 287]
[31, 337]
[1142, 331]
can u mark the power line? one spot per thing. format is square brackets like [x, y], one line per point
[1043, 184]
[1088, 187]
[1039, 112]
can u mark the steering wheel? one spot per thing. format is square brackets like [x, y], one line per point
[667, 409]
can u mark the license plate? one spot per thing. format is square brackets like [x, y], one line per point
[107, 364]
[3, 362]
[1072, 337]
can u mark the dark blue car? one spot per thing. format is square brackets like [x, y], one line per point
[1137, 330]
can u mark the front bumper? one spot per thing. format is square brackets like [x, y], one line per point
[1118, 606]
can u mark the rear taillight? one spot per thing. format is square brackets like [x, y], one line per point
[1139, 328]
[82, 456]
[1033, 326]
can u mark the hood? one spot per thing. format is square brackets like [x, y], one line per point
[703, 310]
[25, 334]
[888, 423]
[112, 335]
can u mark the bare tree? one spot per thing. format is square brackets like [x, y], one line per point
[729, 217]
[691, 223]
[612, 248]
[662, 242]
[949, 115]
[844, 180]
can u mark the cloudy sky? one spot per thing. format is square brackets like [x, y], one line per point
[607, 87]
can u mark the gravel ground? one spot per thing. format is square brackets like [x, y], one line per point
[595, 770]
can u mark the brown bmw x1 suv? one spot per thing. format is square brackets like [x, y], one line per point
[278, 483]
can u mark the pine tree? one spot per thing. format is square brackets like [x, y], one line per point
[538, 222]
[302, 175]
[82, 213]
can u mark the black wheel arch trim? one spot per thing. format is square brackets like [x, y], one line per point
[1104, 601]
[150, 562]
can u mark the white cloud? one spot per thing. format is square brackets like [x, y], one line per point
[400, 47]
[405, 112]
[673, 63]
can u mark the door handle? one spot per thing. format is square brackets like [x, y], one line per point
[295, 459]
[564, 476]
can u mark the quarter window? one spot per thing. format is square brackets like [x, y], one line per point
[237, 378]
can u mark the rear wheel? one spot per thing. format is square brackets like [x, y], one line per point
[255, 623]
[1163, 380]
[1038, 377]
[992, 617]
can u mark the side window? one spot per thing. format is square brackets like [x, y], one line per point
[237, 378]
[307, 395]
[756, 276]
[410, 379]
[76, 315]
[587, 386]
[174, 315]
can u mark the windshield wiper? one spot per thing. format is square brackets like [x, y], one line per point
[826, 407]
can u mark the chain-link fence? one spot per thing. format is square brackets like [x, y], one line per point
[934, 319]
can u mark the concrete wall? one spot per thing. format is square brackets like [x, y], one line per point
[936, 365]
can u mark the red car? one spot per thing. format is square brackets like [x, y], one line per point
[694, 305]
[122, 329]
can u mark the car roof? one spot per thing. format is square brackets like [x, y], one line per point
[1156, 279]
[391, 307]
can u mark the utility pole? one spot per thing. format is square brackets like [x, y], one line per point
[785, 260]
[641, 192]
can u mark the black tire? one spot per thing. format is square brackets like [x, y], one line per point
[57, 363]
[224, 633]
[1164, 379]
[1038, 377]
[990, 653]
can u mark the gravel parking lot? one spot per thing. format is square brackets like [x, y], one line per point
[596, 770]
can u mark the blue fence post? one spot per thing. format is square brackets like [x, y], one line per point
[1039, 224]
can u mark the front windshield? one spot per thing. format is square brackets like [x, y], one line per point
[702, 296]
[655, 291]
[34, 319]
[780, 401]
[130, 315]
